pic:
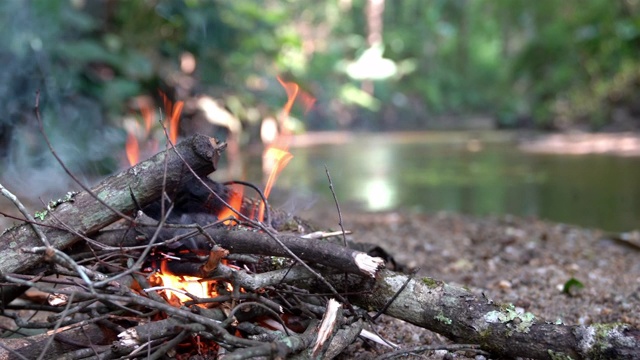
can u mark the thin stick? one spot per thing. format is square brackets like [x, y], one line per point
[335, 199]
[26, 214]
[162, 351]
[344, 236]
[55, 328]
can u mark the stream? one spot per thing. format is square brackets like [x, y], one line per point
[471, 173]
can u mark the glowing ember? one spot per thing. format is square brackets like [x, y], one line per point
[277, 155]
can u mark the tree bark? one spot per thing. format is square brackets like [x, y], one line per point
[463, 317]
[311, 250]
[85, 214]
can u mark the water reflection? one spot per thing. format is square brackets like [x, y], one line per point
[435, 172]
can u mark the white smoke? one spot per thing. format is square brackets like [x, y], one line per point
[74, 123]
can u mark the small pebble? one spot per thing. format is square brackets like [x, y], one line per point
[504, 284]
[441, 353]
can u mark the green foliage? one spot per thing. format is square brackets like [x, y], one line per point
[561, 62]
[577, 51]
[571, 286]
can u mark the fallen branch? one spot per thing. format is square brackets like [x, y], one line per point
[448, 310]
[463, 317]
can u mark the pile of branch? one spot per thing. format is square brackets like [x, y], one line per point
[282, 290]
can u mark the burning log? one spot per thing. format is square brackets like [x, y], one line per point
[85, 213]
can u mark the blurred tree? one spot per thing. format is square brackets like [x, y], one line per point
[560, 63]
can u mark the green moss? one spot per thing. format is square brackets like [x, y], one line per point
[67, 198]
[558, 355]
[278, 262]
[604, 329]
[431, 283]
[604, 332]
[443, 319]
[40, 215]
[520, 322]
[485, 335]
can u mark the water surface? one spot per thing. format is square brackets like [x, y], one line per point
[480, 174]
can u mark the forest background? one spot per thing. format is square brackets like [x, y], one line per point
[372, 65]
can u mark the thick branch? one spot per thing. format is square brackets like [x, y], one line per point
[448, 310]
[461, 316]
[312, 250]
[85, 214]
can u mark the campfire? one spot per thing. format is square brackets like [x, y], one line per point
[159, 261]
[167, 274]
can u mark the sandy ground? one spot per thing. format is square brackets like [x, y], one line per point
[525, 262]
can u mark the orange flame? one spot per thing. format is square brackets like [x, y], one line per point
[147, 114]
[277, 154]
[132, 149]
[292, 92]
[235, 200]
[191, 284]
[173, 114]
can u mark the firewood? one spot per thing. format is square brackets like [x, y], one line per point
[462, 316]
[85, 212]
